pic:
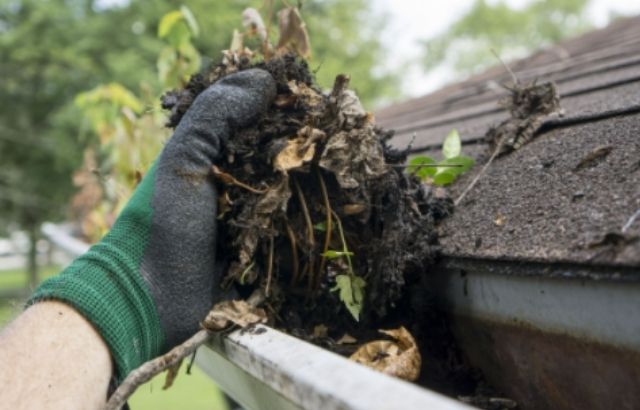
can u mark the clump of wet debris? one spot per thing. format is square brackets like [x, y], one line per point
[315, 206]
[318, 215]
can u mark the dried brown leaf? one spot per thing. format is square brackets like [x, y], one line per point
[320, 331]
[252, 21]
[233, 312]
[354, 157]
[399, 358]
[237, 42]
[293, 33]
[347, 339]
[354, 209]
[306, 94]
[298, 151]
[294, 155]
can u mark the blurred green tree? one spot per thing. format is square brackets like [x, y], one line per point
[52, 50]
[466, 45]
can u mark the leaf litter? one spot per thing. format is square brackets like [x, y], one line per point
[313, 209]
[317, 213]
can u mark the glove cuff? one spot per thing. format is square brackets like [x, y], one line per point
[118, 305]
[106, 287]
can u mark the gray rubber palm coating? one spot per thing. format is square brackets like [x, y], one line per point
[179, 263]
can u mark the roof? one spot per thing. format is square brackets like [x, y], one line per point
[566, 195]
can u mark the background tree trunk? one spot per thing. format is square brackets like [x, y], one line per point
[32, 256]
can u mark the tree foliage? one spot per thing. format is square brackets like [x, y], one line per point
[512, 33]
[52, 50]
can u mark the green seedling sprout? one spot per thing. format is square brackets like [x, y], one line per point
[446, 171]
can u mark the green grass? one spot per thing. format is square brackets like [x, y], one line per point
[18, 278]
[193, 392]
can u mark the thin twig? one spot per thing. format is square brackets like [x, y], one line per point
[294, 254]
[418, 167]
[153, 367]
[328, 227]
[230, 180]
[630, 222]
[481, 173]
[345, 248]
[307, 218]
[513, 76]
[267, 289]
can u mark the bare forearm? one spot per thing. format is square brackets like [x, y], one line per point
[52, 358]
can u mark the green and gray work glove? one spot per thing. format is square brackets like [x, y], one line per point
[151, 279]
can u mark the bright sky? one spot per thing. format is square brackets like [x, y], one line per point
[413, 20]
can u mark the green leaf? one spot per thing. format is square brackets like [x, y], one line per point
[168, 22]
[415, 166]
[331, 254]
[452, 145]
[191, 20]
[464, 162]
[445, 177]
[351, 289]
[322, 226]
[179, 36]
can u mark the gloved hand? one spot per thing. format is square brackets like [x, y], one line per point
[153, 277]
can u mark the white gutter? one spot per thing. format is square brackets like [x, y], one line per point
[267, 369]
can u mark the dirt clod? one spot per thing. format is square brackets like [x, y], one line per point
[270, 182]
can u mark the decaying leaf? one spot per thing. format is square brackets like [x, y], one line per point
[237, 42]
[353, 209]
[346, 339]
[233, 312]
[354, 154]
[529, 105]
[294, 155]
[355, 157]
[306, 94]
[274, 200]
[400, 357]
[252, 21]
[299, 150]
[320, 331]
[293, 33]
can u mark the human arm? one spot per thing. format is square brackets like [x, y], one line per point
[148, 283]
[51, 357]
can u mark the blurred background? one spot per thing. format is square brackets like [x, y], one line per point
[80, 82]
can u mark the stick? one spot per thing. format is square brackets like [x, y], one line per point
[153, 367]
[327, 236]
[626, 226]
[311, 237]
[267, 289]
[481, 173]
[513, 76]
[230, 180]
[294, 253]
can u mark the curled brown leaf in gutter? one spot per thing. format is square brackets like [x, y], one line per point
[293, 33]
[399, 357]
[233, 312]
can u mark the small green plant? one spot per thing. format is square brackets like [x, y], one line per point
[350, 286]
[179, 59]
[446, 171]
